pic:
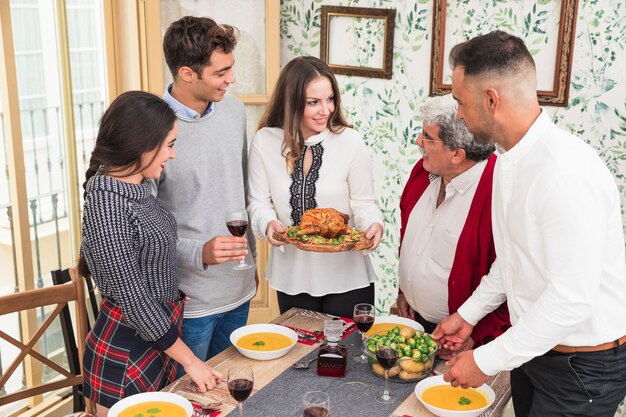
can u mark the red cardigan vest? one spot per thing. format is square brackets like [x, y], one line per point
[475, 251]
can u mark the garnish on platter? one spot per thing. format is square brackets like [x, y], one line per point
[324, 230]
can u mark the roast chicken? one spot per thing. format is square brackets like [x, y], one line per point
[326, 222]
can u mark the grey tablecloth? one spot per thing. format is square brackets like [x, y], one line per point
[353, 395]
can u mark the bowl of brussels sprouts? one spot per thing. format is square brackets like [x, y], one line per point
[416, 353]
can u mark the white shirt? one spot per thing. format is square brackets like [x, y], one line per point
[345, 183]
[557, 230]
[430, 240]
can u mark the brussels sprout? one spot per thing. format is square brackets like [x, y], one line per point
[411, 342]
[399, 339]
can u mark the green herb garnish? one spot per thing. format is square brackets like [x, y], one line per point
[154, 411]
[258, 344]
[464, 401]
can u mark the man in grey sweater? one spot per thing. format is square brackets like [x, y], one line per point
[207, 179]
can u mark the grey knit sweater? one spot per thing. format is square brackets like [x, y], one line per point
[129, 243]
[208, 177]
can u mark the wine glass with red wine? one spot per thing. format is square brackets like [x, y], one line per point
[316, 404]
[237, 224]
[363, 316]
[387, 358]
[240, 383]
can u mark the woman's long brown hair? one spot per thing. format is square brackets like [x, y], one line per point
[286, 106]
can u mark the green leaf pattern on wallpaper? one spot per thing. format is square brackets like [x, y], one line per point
[385, 111]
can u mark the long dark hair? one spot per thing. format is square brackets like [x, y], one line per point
[286, 106]
[136, 122]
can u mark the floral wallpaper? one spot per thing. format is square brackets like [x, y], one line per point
[384, 111]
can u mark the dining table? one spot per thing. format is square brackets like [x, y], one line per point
[265, 372]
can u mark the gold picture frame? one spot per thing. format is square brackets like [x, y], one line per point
[558, 95]
[374, 55]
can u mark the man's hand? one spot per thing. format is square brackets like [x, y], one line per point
[222, 249]
[274, 226]
[375, 234]
[447, 354]
[452, 332]
[464, 372]
[404, 309]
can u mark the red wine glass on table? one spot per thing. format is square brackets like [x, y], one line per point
[237, 224]
[387, 357]
[316, 404]
[240, 383]
[363, 316]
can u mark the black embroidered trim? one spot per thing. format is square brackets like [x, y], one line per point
[302, 190]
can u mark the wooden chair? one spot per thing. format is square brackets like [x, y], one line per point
[58, 297]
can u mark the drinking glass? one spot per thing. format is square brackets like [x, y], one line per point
[316, 404]
[387, 358]
[237, 224]
[240, 383]
[363, 316]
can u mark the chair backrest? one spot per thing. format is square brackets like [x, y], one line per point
[92, 297]
[58, 297]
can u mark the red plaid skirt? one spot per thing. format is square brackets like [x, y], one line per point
[118, 363]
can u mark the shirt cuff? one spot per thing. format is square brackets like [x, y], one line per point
[471, 311]
[167, 340]
[487, 360]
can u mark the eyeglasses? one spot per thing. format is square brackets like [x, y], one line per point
[422, 137]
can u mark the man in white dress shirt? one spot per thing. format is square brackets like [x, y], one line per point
[445, 210]
[558, 233]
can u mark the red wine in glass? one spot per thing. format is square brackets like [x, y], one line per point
[237, 224]
[316, 412]
[316, 404]
[237, 227]
[364, 322]
[363, 315]
[240, 382]
[240, 389]
[387, 357]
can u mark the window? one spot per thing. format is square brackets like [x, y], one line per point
[59, 115]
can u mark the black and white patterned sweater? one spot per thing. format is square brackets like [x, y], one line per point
[129, 243]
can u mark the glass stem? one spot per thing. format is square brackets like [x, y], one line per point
[242, 262]
[363, 344]
[240, 406]
[386, 391]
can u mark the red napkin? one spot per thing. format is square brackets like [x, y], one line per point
[197, 412]
[348, 328]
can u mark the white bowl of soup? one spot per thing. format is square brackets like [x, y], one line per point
[444, 400]
[263, 341]
[152, 403]
[386, 323]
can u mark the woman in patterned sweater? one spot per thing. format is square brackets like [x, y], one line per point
[129, 248]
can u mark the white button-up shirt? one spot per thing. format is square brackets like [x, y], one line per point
[430, 240]
[560, 261]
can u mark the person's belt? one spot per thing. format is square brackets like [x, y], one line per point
[598, 348]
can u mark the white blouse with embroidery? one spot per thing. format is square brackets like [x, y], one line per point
[340, 178]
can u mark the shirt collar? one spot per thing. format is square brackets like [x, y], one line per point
[517, 152]
[181, 109]
[315, 139]
[464, 181]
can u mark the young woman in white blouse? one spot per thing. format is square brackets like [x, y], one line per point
[305, 155]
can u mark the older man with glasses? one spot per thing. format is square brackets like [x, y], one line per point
[445, 209]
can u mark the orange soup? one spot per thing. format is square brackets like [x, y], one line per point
[264, 341]
[154, 408]
[455, 399]
[384, 327]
